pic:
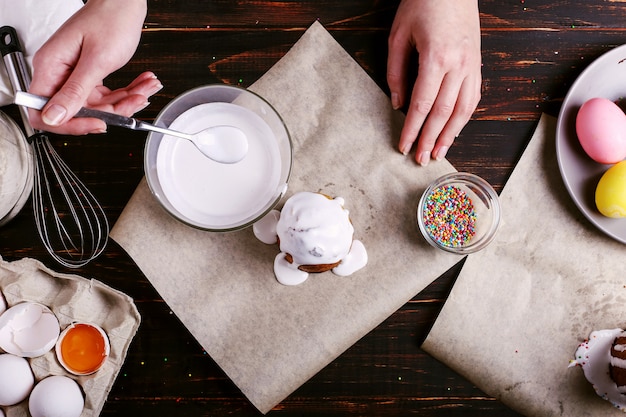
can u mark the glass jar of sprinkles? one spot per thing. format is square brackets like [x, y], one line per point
[459, 213]
[16, 169]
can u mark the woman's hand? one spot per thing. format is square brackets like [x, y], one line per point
[70, 67]
[446, 36]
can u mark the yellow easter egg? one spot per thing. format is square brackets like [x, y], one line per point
[611, 191]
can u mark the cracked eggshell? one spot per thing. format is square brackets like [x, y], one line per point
[28, 329]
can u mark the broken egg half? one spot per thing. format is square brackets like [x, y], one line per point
[28, 330]
[82, 348]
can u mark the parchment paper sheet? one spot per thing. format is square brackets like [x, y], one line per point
[271, 338]
[520, 307]
[73, 298]
[35, 21]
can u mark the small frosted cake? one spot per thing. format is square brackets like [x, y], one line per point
[603, 359]
[315, 235]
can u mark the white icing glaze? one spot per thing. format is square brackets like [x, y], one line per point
[355, 260]
[288, 273]
[314, 229]
[265, 228]
[594, 356]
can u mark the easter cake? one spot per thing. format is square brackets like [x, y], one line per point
[603, 360]
[315, 234]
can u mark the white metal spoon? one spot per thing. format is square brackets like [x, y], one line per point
[224, 144]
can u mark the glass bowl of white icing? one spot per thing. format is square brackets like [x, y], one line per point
[16, 169]
[210, 195]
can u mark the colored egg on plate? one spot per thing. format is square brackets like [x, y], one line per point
[601, 130]
[611, 191]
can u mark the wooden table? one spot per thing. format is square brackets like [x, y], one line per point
[533, 51]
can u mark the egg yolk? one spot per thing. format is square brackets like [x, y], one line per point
[83, 348]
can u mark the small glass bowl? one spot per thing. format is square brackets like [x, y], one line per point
[191, 191]
[459, 213]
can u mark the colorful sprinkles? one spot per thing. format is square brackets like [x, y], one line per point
[449, 216]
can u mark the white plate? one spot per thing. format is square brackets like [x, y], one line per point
[605, 77]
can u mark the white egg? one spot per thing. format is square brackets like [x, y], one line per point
[56, 396]
[16, 379]
[28, 329]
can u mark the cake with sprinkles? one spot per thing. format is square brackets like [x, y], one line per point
[315, 234]
[603, 360]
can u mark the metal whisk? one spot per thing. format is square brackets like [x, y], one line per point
[71, 223]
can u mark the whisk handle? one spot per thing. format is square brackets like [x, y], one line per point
[17, 69]
[9, 42]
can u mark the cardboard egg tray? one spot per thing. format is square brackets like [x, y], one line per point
[72, 298]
